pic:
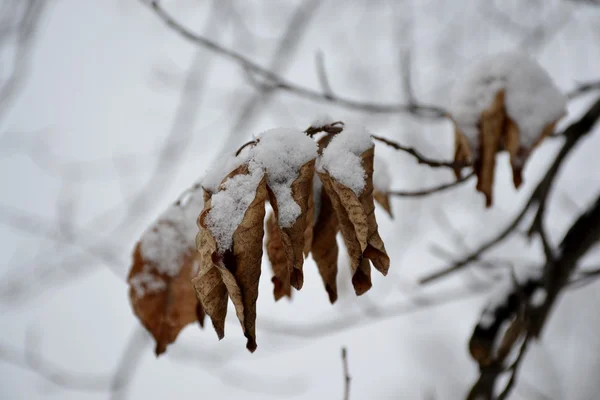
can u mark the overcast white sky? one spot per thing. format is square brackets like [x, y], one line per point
[83, 138]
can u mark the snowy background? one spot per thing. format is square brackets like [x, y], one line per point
[114, 115]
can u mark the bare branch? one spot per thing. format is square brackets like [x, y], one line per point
[420, 158]
[421, 110]
[322, 74]
[432, 190]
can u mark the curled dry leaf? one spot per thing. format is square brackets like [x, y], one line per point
[209, 285]
[279, 263]
[497, 132]
[507, 102]
[292, 238]
[382, 179]
[324, 247]
[164, 304]
[383, 199]
[356, 217]
[239, 266]
[164, 261]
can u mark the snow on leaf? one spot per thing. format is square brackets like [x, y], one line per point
[230, 203]
[506, 102]
[164, 261]
[342, 157]
[322, 120]
[292, 237]
[209, 285]
[357, 223]
[239, 263]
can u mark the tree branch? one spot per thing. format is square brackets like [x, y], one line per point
[280, 83]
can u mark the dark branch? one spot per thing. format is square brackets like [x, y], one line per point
[432, 190]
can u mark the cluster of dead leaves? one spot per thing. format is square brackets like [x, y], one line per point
[235, 273]
[497, 132]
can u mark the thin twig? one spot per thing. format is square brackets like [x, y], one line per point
[347, 377]
[420, 158]
[280, 83]
[322, 74]
[249, 143]
[432, 190]
[514, 368]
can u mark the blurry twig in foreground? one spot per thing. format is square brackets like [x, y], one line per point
[32, 359]
[347, 377]
[24, 32]
[128, 363]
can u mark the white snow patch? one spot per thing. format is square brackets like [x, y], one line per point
[146, 282]
[487, 319]
[229, 204]
[341, 158]
[279, 153]
[165, 244]
[382, 177]
[223, 166]
[531, 98]
[539, 297]
[322, 120]
[282, 152]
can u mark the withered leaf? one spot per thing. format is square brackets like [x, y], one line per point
[324, 247]
[491, 125]
[209, 285]
[309, 220]
[356, 217]
[246, 260]
[164, 304]
[375, 250]
[292, 238]
[238, 268]
[383, 199]
[278, 259]
[497, 132]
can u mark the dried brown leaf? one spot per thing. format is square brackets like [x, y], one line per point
[383, 199]
[164, 304]
[497, 132]
[492, 129]
[278, 259]
[309, 221]
[462, 153]
[375, 250]
[292, 238]
[209, 285]
[324, 247]
[356, 217]
[244, 262]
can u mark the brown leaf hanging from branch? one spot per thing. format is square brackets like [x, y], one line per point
[292, 237]
[324, 247]
[164, 261]
[355, 212]
[227, 253]
[238, 263]
[279, 262]
[507, 102]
